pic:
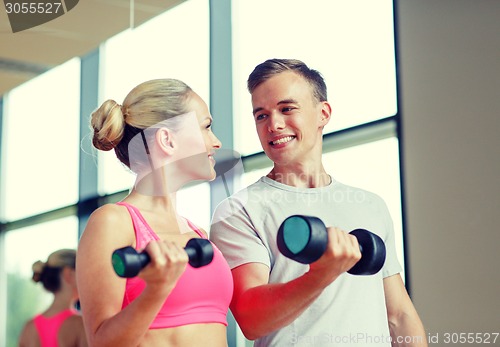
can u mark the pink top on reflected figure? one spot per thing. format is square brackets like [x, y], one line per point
[48, 327]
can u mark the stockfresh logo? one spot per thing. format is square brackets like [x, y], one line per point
[26, 14]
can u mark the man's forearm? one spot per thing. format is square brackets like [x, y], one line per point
[408, 331]
[266, 308]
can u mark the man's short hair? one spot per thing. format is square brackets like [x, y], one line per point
[272, 67]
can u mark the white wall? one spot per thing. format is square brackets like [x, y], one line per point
[449, 53]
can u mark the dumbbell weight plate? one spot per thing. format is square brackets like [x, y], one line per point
[127, 262]
[302, 239]
[373, 256]
[200, 252]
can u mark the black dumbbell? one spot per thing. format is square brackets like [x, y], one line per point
[304, 239]
[127, 262]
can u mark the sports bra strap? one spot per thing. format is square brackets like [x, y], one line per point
[195, 229]
[135, 211]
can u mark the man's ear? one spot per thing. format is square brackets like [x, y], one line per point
[165, 140]
[326, 113]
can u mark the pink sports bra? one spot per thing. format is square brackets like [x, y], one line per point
[48, 327]
[202, 295]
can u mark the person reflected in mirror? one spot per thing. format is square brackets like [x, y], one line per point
[60, 325]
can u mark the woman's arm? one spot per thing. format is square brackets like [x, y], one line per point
[101, 290]
[29, 335]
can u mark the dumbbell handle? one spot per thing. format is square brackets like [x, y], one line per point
[127, 262]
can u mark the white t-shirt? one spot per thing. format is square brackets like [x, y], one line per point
[351, 311]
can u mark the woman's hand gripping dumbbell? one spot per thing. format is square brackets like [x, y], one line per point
[127, 262]
[304, 239]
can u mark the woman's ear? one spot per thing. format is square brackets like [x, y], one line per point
[165, 140]
[69, 275]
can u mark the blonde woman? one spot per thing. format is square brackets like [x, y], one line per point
[162, 133]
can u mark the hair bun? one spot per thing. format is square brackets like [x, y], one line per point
[37, 268]
[108, 124]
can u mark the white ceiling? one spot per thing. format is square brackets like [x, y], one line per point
[25, 54]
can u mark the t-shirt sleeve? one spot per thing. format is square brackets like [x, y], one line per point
[391, 265]
[233, 232]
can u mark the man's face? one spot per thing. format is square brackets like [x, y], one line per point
[288, 119]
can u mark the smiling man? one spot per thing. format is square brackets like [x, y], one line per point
[280, 302]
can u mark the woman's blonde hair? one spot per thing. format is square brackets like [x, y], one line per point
[146, 105]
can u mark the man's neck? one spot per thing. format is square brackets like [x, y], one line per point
[301, 178]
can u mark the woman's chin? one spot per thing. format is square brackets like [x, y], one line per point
[208, 175]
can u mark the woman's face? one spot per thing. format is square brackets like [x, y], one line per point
[199, 141]
[182, 148]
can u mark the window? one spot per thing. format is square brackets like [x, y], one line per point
[41, 139]
[172, 45]
[374, 167]
[350, 42]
